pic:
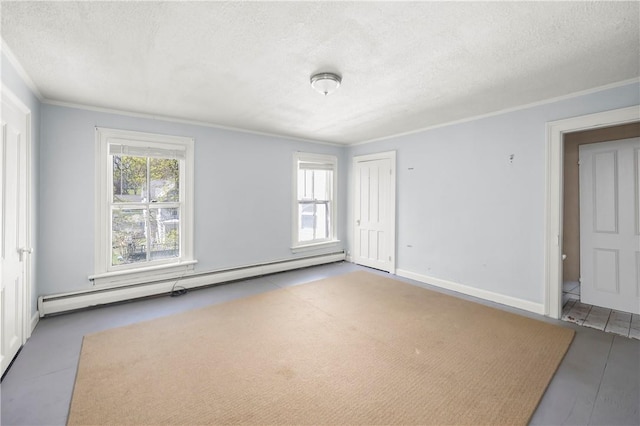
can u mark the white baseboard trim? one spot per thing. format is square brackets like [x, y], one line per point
[514, 302]
[58, 303]
[34, 321]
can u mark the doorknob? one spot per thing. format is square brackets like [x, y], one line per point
[358, 222]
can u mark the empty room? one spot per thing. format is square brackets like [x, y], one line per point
[320, 212]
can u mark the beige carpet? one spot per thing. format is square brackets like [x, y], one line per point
[354, 349]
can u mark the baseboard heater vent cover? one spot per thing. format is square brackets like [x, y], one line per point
[58, 303]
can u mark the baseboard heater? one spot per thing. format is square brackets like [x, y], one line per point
[58, 303]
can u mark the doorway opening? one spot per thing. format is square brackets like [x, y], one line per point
[554, 193]
[574, 307]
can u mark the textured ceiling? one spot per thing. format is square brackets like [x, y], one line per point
[246, 65]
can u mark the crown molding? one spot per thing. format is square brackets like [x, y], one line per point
[183, 121]
[22, 73]
[506, 110]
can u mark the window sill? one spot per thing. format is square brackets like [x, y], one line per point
[143, 275]
[315, 246]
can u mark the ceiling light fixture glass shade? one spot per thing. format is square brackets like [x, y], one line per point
[325, 82]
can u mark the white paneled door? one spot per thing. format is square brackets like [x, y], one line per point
[610, 224]
[13, 223]
[374, 211]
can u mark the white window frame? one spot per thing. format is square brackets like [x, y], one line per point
[296, 245]
[108, 274]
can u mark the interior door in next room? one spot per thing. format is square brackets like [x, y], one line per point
[374, 211]
[610, 224]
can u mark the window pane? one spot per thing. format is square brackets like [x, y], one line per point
[313, 221]
[306, 223]
[165, 177]
[308, 184]
[128, 237]
[322, 221]
[129, 179]
[301, 185]
[314, 184]
[164, 228]
[321, 184]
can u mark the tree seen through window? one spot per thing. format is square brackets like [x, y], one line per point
[145, 209]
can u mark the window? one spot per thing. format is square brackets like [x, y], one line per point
[314, 208]
[144, 217]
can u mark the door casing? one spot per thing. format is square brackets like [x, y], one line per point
[554, 193]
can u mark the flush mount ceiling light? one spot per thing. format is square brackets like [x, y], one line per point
[325, 82]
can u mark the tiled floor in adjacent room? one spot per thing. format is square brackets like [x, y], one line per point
[597, 383]
[608, 320]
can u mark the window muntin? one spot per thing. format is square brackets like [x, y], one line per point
[314, 210]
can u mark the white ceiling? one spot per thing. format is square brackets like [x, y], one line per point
[246, 65]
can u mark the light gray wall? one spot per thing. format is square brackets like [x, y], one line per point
[243, 190]
[468, 213]
[14, 83]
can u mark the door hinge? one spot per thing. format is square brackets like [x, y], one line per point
[22, 251]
